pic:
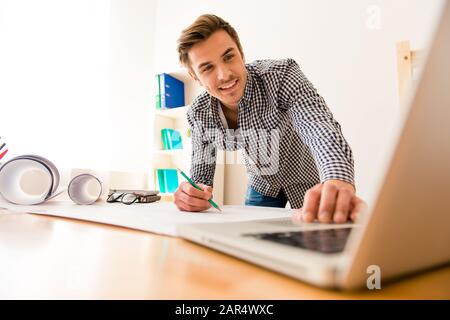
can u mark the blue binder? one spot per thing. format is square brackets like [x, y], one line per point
[172, 91]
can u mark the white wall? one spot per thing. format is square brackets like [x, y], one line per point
[76, 84]
[351, 64]
[54, 62]
[132, 73]
[344, 47]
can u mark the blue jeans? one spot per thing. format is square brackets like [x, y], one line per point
[254, 198]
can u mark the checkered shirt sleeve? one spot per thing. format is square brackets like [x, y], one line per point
[316, 126]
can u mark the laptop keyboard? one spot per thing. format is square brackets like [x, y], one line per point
[324, 241]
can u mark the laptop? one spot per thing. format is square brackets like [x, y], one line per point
[405, 231]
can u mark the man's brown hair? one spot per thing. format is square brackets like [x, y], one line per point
[202, 28]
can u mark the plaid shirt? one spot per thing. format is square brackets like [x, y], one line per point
[289, 137]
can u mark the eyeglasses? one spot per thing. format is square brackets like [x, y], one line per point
[129, 198]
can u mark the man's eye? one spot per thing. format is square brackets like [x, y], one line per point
[206, 68]
[229, 57]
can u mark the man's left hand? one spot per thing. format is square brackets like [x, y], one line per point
[333, 200]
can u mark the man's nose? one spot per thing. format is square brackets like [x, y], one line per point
[223, 74]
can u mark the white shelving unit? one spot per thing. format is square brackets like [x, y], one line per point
[176, 119]
[175, 113]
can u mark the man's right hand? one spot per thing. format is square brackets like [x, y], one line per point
[188, 198]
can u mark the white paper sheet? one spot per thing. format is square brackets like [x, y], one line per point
[159, 217]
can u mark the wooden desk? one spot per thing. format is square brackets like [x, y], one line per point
[48, 257]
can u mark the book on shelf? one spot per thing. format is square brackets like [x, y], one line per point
[158, 95]
[167, 180]
[171, 139]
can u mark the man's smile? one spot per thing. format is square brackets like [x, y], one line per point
[229, 87]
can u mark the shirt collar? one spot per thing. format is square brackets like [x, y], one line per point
[248, 88]
[214, 106]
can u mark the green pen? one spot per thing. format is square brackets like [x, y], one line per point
[197, 187]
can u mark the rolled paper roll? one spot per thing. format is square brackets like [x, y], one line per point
[26, 180]
[85, 189]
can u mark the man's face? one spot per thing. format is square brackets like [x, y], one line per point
[218, 66]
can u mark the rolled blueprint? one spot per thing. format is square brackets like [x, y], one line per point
[31, 179]
[85, 189]
[28, 179]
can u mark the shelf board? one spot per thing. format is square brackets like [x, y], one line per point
[174, 113]
[169, 152]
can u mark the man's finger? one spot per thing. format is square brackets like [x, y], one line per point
[194, 192]
[196, 202]
[311, 203]
[327, 203]
[186, 206]
[206, 189]
[359, 207]
[343, 206]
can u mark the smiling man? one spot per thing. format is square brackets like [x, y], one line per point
[293, 148]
